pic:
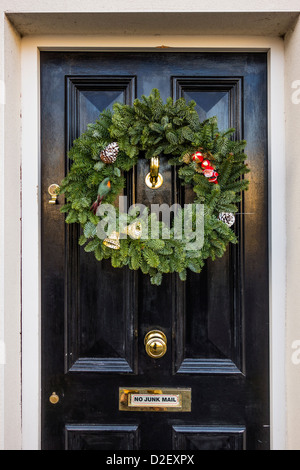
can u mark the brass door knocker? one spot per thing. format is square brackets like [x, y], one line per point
[154, 179]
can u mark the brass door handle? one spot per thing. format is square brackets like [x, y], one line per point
[53, 191]
[156, 344]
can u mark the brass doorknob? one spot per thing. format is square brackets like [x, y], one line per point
[156, 344]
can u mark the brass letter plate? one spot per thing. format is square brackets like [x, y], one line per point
[154, 399]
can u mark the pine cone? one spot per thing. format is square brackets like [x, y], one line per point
[187, 158]
[198, 169]
[110, 153]
[227, 217]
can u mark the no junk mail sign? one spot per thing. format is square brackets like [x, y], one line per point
[154, 400]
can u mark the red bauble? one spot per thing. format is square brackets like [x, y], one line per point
[206, 165]
[197, 157]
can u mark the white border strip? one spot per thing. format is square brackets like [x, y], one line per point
[31, 334]
[277, 247]
[2, 251]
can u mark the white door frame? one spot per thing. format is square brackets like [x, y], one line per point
[31, 259]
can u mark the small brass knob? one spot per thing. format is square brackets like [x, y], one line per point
[156, 344]
[54, 399]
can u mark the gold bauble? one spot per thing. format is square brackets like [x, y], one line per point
[113, 241]
[134, 230]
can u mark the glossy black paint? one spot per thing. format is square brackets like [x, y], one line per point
[94, 317]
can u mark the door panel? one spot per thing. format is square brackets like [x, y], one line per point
[97, 340]
[95, 317]
[212, 342]
[95, 437]
[208, 438]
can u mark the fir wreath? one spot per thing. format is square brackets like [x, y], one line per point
[207, 159]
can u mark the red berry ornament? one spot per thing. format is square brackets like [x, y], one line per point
[208, 169]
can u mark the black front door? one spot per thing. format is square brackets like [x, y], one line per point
[95, 317]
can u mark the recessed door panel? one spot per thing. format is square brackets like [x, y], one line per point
[211, 339]
[96, 339]
[93, 437]
[209, 438]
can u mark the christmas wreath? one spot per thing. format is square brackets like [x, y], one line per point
[209, 161]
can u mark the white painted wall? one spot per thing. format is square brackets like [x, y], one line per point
[150, 6]
[10, 240]
[292, 99]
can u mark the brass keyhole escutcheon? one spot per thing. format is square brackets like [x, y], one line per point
[54, 399]
[156, 344]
